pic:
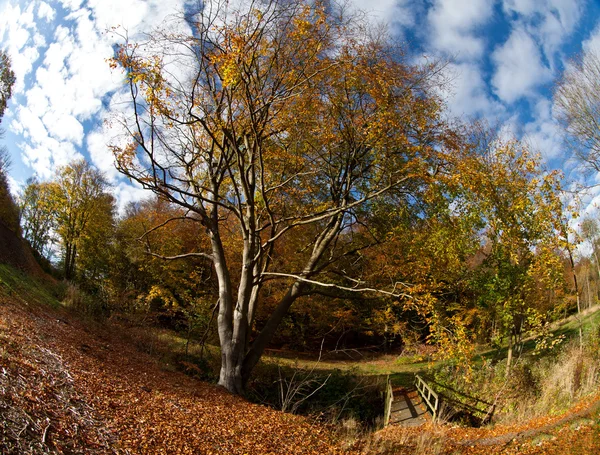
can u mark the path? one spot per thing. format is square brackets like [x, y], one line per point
[408, 409]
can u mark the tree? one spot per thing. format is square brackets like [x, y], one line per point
[590, 233]
[524, 231]
[8, 210]
[178, 293]
[80, 190]
[7, 80]
[94, 248]
[577, 97]
[38, 208]
[281, 122]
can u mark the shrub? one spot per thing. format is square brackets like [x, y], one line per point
[82, 302]
[333, 396]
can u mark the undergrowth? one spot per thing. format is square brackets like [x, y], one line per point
[336, 396]
[537, 384]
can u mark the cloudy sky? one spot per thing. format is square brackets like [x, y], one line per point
[505, 56]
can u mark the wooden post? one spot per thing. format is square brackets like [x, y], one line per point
[389, 398]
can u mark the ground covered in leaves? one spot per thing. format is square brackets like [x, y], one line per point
[70, 387]
[575, 432]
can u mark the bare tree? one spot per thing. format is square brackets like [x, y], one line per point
[577, 97]
[287, 121]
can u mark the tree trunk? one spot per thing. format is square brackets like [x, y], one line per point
[589, 290]
[510, 354]
[596, 257]
[230, 375]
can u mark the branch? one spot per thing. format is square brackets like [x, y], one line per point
[392, 293]
[328, 213]
[181, 256]
[164, 224]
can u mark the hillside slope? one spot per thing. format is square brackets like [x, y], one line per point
[69, 386]
[66, 387]
[15, 252]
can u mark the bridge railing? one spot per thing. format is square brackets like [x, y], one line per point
[459, 401]
[477, 407]
[389, 398]
[430, 396]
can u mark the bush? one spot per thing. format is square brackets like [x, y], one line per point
[332, 396]
[535, 386]
[73, 297]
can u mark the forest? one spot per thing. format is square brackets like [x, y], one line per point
[309, 197]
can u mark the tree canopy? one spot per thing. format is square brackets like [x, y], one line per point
[289, 122]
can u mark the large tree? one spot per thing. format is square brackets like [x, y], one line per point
[281, 123]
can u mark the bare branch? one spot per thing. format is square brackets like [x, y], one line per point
[392, 293]
[182, 256]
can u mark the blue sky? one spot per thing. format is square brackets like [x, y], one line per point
[505, 56]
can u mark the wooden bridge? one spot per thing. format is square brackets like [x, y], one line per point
[426, 401]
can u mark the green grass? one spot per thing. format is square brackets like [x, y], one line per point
[18, 285]
[569, 330]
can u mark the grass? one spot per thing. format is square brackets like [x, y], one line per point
[400, 368]
[20, 286]
[569, 329]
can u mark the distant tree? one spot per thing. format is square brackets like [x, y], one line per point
[590, 232]
[80, 191]
[8, 209]
[38, 207]
[520, 204]
[7, 80]
[94, 253]
[9, 212]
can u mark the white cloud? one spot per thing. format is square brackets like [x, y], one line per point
[125, 193]
[468, 94]
[18, 35]
[46, 12]
[70, 5]
[592, 44]
[14, 186]
[97, 143]
[60, 92]
[566, 12]
[64, 127]
[544, 134]
[523, 7]
[31, 125]
[519, 67]
[453, 24]
[548, 21]
[45, 157]
[396, 13]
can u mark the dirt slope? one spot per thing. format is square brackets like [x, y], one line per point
[67, 388]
